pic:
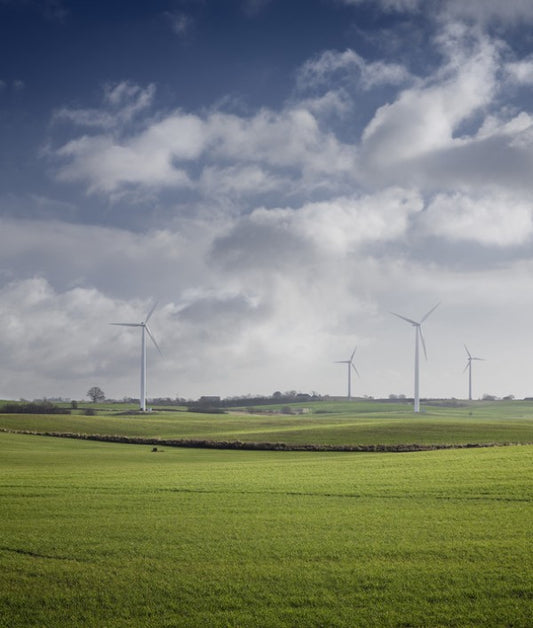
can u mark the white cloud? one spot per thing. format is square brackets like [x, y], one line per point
[425, 118]
[128, 97]
[239, 180]
[289, 139]
[278, 297]
[124, 101]
[108, 166]
[342, 223]
[499, 219]
[513, 128]
[521, 71]
[49, 335]
[119, 262]
[249, 336]
[348, 66]
[438, 132]
[336, 103]
[482, 11]
[160, 154]
[450, 131]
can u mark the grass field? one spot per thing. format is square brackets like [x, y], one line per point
[102, 534]
[99, 534]
[355, 423]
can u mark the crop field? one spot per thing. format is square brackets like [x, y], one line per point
[104, 534]
[334, 423]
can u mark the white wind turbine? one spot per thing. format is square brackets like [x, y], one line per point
[144, 330]
[350, 366]
[469, 367]
[418, 334]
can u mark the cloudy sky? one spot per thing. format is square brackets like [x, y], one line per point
[278, 175]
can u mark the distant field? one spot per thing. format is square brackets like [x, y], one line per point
[99, 534]
[329, 423]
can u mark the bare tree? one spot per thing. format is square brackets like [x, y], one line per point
[96, 394]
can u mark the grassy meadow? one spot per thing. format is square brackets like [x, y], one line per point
[329, 423]
[105, 534]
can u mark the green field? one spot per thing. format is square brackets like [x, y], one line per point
[104, 534]
[355, 423]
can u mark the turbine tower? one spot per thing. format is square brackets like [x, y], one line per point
[350, 366]
[469, 367]
[418, 335]
[144, 330]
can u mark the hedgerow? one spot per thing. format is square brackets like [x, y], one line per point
[255, 446]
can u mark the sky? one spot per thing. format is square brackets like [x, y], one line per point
[278, 176]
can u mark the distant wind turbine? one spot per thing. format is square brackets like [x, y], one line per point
[144, 330]
[469, 367]
[350, 366]
[418, 334]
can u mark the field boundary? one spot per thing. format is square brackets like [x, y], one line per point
[258, 446]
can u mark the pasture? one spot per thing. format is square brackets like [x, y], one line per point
[328, 423]
[100, 534]
[105, 534]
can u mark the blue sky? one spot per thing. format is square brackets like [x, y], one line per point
[278, 175]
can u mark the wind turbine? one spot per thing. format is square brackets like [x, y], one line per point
[351, 366]
[418, 334]
[469, 367]
[144, 330]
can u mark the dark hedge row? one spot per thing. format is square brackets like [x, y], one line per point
[33, 407]
[251, 446]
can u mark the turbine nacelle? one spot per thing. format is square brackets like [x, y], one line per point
[471, 357]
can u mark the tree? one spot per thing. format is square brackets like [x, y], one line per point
[96, 394]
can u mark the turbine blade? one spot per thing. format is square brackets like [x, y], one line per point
[467, 351]
[351, 358]
[341, 362]
[153, 339]
[150, 312]
[466, 367]
[127, 324]
[356, 371]
[481, 359]
[430, 311]
[419, 331]
[404, 318]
